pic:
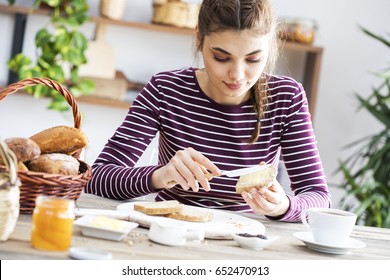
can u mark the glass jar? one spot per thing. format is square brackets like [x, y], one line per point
[302, 30]
[52, 225]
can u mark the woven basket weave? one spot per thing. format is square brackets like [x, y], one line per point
[39, 183]
[113, 9]
[175, 13]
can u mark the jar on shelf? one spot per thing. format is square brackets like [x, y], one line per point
[52, 225]
[302, 30]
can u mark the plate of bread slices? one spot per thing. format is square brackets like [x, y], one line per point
[216, 224]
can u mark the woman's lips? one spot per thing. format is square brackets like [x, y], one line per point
[234, 86]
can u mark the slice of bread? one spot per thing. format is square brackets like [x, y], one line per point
[259, 179]
[192, 215]
[158, 207]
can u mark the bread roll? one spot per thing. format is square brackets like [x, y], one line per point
[60, 139]
[25, 149]
[260, 179]
[158, 207]
[55, 164]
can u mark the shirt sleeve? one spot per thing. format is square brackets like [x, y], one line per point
[302, 160]
[114, 172]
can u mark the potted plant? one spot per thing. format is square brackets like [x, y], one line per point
[60, 52]
[367, 171]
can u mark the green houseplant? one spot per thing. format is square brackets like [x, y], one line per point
[367, 171]
[60, 49]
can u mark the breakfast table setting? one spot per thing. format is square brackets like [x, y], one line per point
[45, 214]
[209, 240]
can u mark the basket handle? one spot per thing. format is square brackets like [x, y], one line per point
[12, 88]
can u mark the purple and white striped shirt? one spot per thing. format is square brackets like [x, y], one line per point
[173, 105]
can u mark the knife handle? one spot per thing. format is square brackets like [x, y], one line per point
[208, 176]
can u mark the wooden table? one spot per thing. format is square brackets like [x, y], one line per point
[137, 246]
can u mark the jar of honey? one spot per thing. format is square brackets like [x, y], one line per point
[52, 224]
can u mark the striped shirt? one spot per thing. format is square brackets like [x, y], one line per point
[173, 106]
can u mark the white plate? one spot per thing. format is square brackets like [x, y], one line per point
[307, 238]
[254, 243]
[84, 223]
[220, 227]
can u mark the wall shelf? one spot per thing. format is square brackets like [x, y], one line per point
[312, 64]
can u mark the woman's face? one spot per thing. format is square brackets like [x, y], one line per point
[234, 61]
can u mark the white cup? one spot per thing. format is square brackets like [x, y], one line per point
[329, 226]
[172, 233]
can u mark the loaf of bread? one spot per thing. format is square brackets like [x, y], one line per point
[192, 215]
[55, 164]
[25, 149]
[260, 179]
[60, 139]
[158, 207]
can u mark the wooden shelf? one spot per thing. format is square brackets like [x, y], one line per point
[147, 26]
[104, 102]
[311, 69]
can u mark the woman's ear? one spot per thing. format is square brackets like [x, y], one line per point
[198, 47]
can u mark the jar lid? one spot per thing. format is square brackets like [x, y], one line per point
[300, 21]
[83, 253]
[307, 22]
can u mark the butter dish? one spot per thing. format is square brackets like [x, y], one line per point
[104, 227]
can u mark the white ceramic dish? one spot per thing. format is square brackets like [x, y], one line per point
[81, 253]
[307, 238]
[87, 229]
[254, 243]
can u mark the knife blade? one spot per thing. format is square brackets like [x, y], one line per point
[245, 170]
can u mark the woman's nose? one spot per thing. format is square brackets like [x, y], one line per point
[237, 72]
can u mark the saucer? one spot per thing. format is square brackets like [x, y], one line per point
[307, 238]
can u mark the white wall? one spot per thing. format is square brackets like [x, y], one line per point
[349, 57]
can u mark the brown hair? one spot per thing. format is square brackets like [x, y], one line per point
[256, 15]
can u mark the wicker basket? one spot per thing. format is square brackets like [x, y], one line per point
[113, 9]
[37, 183]
[9, 192]
[175, 13]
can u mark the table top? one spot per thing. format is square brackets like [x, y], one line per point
[137, 246]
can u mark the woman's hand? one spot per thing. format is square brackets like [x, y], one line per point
[187, 169]
[270, 201]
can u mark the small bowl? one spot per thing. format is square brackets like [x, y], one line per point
[253, 242]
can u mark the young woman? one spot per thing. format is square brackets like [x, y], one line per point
[230, 114]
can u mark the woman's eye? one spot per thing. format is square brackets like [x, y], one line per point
[221, 59]
[253, 60]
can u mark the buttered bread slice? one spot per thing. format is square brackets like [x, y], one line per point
[192, 215]
[259, 179]
[158, 207]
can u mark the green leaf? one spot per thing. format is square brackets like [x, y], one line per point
[52, 3]
[79, 41]
[42, 37]
[377, 37]
[84, 87]
[19, 61]
[56, 73]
